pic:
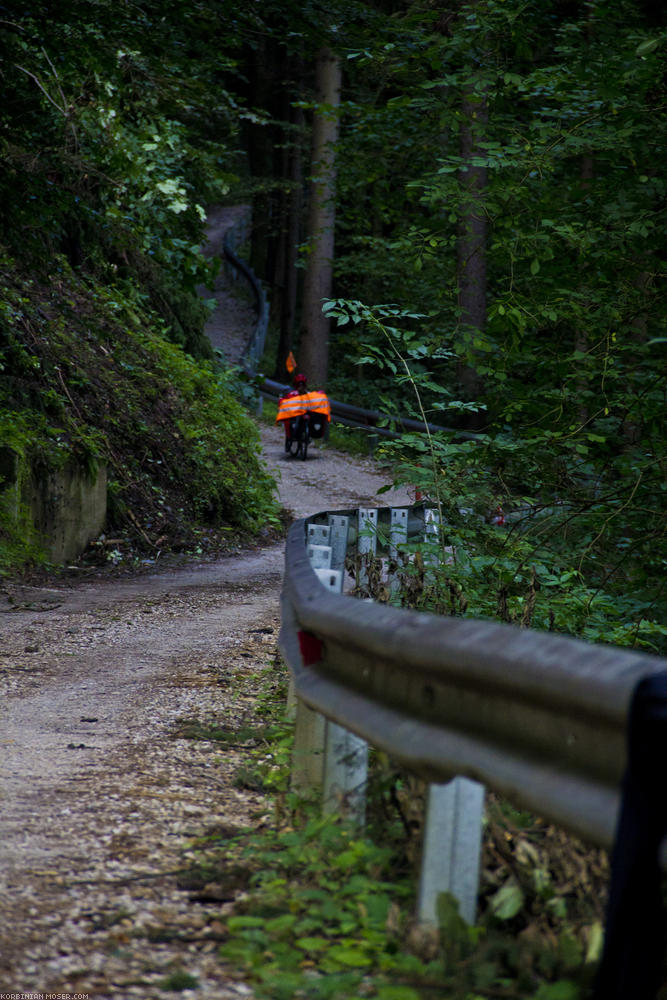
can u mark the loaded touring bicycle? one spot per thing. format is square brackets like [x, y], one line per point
[305, 415]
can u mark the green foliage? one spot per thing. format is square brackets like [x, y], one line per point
[117, 131]
[325, 911]
[322, 922]
[110, 143]
[577, 553]
[178, 981]
[88, 374]
[570, 360]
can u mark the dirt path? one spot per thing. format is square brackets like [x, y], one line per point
[100, 794]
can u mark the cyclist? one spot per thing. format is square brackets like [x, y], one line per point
[290, 408]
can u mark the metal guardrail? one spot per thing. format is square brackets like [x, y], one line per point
[542, 719]
[573, 732]
[539, 717]
[370, 420]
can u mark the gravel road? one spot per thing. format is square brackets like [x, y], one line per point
[100, 794]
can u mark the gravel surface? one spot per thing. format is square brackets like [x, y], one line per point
[100, 794]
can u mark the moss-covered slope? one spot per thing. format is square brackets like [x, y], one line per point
[116, 129]
[87, 372]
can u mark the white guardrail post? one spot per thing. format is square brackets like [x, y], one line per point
[366, 538]
[452, 848]
[327, 755]
[309, 726]
[345, 755]
[451, 852]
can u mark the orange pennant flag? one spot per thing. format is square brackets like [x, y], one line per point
[290, 364]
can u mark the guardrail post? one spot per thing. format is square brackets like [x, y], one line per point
[345, 755]
[431, 537]
[309, 726]
[318, 534]
[452, 847]
[398, 535]
[326, 755]
[398, 532]
[338, 531]
[332, 579]
[368, 522]
[320, 556]
[366, 538]
[308, 751]
[345, 774]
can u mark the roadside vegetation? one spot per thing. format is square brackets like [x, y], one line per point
[325, 911]
[107, 163]
[106, 386]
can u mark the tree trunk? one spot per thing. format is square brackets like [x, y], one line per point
[314, 349]
[260, 146]
[581, 334]
[291, 237]
[471, 245]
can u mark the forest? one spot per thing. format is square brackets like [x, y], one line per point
[458, 215]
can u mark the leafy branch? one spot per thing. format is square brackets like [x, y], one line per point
[64, 107]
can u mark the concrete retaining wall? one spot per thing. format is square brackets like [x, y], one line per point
[63, 510]
[69, 510]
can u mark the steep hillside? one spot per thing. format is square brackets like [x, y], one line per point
[87, 375]
[109, 156]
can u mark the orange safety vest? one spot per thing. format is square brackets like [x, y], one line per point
[296, 406]
[318, 402]
[291, 406]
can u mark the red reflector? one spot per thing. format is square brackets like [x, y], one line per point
[311, 648]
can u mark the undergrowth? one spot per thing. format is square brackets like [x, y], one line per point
[324, 911]
[89, 375]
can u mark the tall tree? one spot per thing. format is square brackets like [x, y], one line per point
[284, 299]
[314, 349]
[471, 243]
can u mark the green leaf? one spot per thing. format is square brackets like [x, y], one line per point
[564, 989]
[595, 942]
[312, 943]
[279, 926]
[507, 901]
[535, 266]
[353, 957]
[391, 992]
[645, 48]
[235, 924]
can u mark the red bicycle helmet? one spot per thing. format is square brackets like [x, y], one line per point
[300, 380]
